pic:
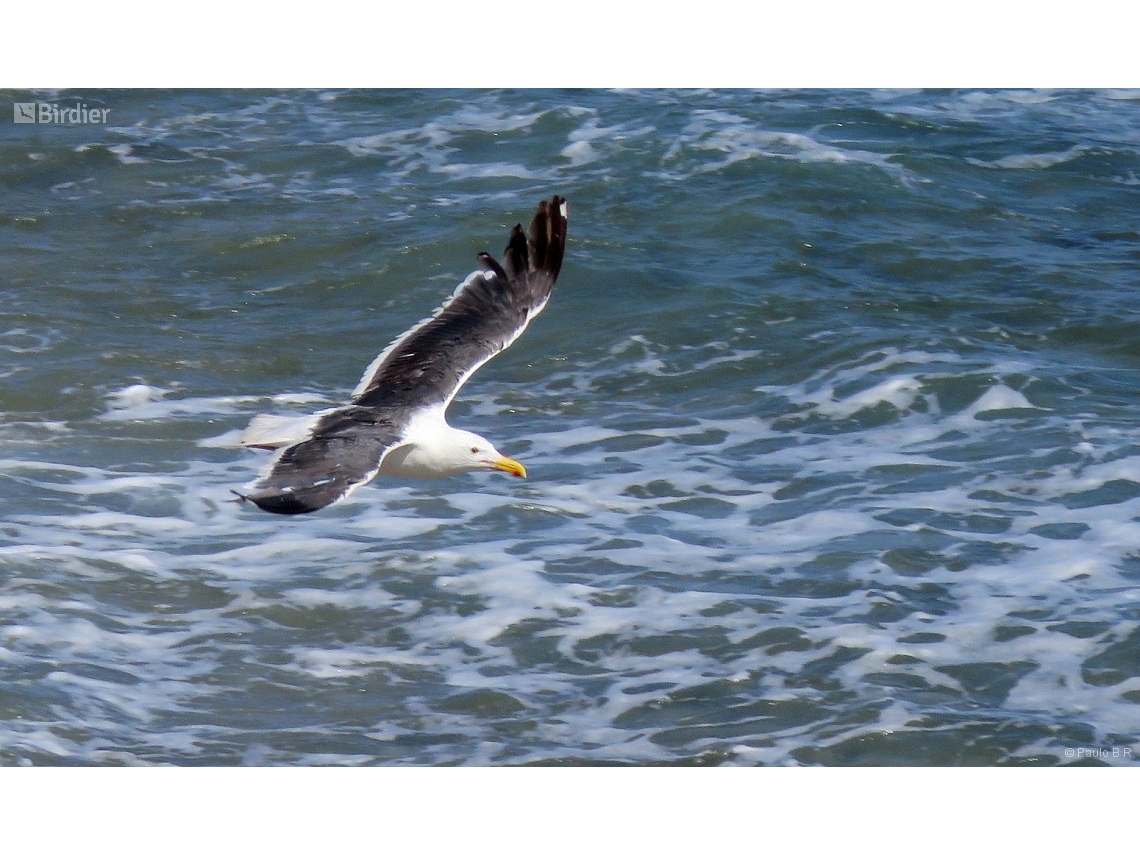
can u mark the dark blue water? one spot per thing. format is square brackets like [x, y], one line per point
[831, 427]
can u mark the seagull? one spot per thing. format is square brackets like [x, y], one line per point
[395, 422]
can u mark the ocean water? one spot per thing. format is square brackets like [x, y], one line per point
[832, 427]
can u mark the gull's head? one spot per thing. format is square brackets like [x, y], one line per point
[472, 453]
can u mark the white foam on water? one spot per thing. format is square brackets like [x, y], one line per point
[738, 139]
[999, 397]
[512, 594]
[141, 402]
[591, 142]
[430, 145]
[469, 171]
[135, 396]
[899, 392]
[123, 153]
[579, 153]
[22, 340]
[1033, 161]
[614, 640]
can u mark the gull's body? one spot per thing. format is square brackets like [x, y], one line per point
[396, 422]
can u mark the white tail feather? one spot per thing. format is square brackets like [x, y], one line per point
[269, 431]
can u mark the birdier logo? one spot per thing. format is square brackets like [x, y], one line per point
[38, 112]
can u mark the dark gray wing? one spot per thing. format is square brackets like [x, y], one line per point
[427, 365]
[344, 451]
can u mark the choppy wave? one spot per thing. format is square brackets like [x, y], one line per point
[830, 432]
[739, 139]
[683, 583]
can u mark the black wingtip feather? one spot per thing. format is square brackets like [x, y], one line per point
[543, 250]
[515, 257]
[548, 236]
[276, 503]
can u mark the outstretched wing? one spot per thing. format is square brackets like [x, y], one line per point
[344, 452]
[428, 364]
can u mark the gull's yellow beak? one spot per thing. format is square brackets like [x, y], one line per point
[507, 465]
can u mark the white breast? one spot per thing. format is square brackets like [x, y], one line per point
[431, 448]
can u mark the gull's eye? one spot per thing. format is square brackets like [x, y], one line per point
[474, 449]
